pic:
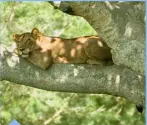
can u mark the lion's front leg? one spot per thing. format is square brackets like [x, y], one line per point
[42, 59]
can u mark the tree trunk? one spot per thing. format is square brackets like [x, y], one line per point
[121, 25]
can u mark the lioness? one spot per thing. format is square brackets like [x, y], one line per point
[43, 50]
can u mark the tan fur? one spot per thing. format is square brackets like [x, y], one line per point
[43, 51]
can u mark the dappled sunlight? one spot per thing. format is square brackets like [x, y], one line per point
[111, 5]
[11, 58]
[12, 61]
[45, 59]
[37, 74]
[63, 38]
[100, 43]
[72, 52]
[79, 47]
[140, 78]
[62, 78]
[114, 80]
[117, 80]
[128, 31]
[3, 50]
[109, 78]
[63, 51]
[76, 72]
[117, 83]
[101, 109]
[42, 50]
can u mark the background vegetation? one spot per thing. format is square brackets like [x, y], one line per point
[32, 106]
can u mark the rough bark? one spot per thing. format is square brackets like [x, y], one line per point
[113, 80]
[121, 25]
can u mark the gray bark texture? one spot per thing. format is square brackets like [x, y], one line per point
[113, 80]
[122, 26]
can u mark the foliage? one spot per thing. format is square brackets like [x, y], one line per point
[19, 17]
[33, 106]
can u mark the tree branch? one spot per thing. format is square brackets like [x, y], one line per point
[114, 80]
[121, 25]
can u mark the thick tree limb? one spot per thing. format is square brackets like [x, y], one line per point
[114, 80]
[121, 25]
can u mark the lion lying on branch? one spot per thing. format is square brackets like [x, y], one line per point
[43, 50]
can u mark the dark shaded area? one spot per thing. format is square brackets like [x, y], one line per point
[139, 108]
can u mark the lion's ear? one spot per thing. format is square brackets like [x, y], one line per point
[16, 37]
[35, 32]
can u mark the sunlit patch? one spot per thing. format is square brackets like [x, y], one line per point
[13, 61]
[109, 77]
[109, 5]
[37, 74]
[61, 60]
[45, 59]
[128, 32]
[81, 68]
[101, 109]
[62, 51]
[63, 78]
[79, 47]
[76, 72]
[117, 81]
[61, 45]
[93, 6]
[140, 78]
[2, 50]
[100, 43]
[117, 7]
[72, 52]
